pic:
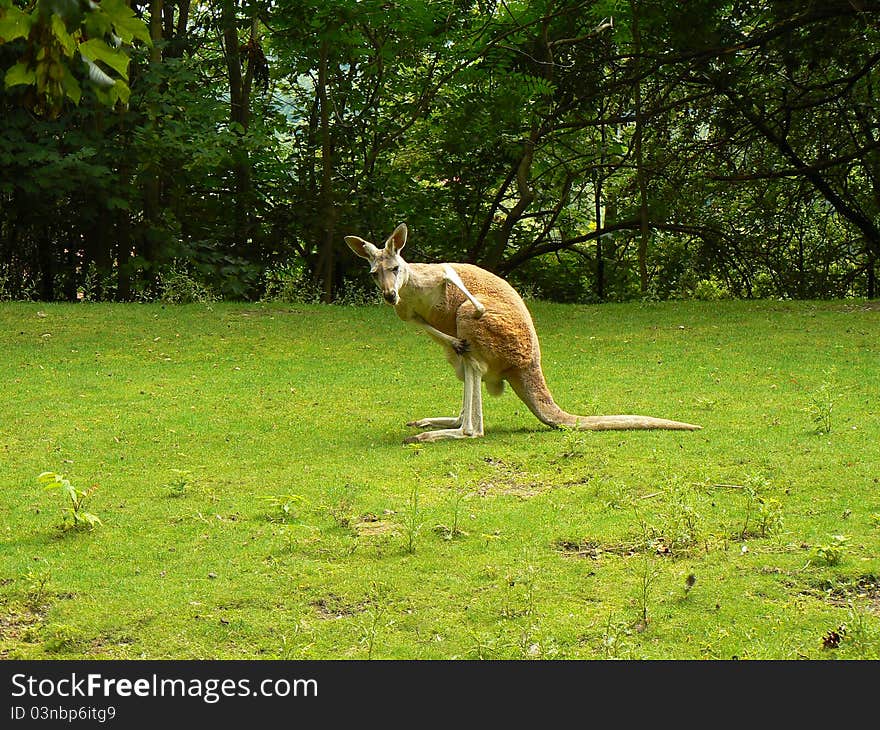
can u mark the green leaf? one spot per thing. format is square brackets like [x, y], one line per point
[14, 24]
[126, 23]
[118, 92]
[69, 491]
[71, 86]
[106, 95]
[97, 50]
[19, 74]
[122, 91]
[87, 517]
[97, 24]
[65, 40]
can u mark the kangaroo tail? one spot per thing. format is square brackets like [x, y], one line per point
[531, 388]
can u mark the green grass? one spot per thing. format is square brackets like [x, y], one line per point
[257, 501]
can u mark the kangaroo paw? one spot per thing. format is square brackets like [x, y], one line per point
[461, 347]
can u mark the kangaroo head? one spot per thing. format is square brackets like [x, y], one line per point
[386, 265]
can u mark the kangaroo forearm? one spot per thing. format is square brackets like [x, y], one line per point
[460, 346]
[452, 277]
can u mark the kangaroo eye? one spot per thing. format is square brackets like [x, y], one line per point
[395, 269]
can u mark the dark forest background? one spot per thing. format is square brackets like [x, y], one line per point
[603, 150]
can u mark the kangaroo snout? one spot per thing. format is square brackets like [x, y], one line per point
[391, 297]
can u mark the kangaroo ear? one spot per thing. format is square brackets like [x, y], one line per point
[397, 240]
[362, 248]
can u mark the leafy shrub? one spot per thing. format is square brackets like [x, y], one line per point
[710, 290]
[177, 286]
[290, 284]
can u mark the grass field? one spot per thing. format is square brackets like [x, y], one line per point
[256, 500]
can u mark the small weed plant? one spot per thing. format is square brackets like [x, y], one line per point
[412, 519]
[763, 513]
[374, 617]
[283, 507]
[76, 516]
[37, 587]
[831, 553]
[769, 515]
[177, 486]
[821, 401]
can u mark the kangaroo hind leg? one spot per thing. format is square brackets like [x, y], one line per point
[471, 419]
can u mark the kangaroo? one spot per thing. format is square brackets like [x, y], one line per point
[487, 335]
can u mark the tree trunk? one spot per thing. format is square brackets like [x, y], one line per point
[597, 190]
[97, 239]
[123, 251]
[327, 217]
[872, 276]
[640, 158]
[239, 117]
[46, 259]
[153, 182]
[495, 255]
[600, 260]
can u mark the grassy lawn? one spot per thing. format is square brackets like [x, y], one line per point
[257, 501]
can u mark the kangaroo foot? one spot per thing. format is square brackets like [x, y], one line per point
[436, 423]
[441, 435]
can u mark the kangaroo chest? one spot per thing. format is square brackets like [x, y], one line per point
[436, 305]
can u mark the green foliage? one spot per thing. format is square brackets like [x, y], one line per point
[62, 638]
[177, 487]
[339, 504]
[291, 284]
[74, 502]
[374, 617]
[177, 286]
[765, 510]
[54, 35]
[684, 529]
[770, 518]
[496, 135]
[833, 552]
[710, 290]
[454, 530]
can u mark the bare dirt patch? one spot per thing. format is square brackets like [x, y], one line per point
[370, 526]
[840, 592]
[16, 626]
[335, 607]
[510, 480]
[594, 549]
